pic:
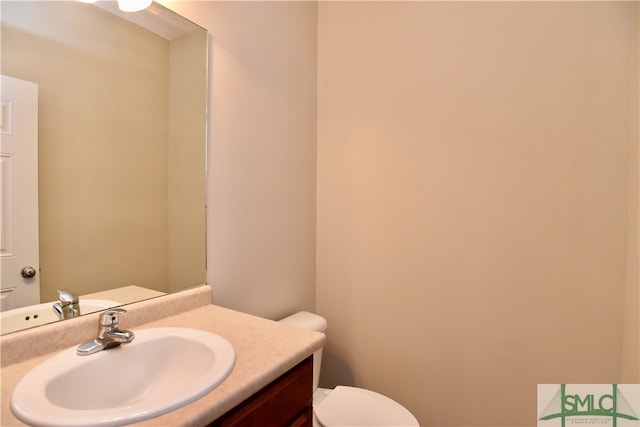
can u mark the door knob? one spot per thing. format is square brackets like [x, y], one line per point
[28, 272]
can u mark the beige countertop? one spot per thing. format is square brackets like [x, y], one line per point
[125, 294]
[264, 350]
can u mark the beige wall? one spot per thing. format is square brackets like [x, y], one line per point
[631, 350]
[186, 182]
[473, 200]
[262, 153]
[94, 218]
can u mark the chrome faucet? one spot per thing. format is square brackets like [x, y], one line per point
[68, 304]
[108, 334]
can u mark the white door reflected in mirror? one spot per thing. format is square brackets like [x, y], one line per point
[19, 187]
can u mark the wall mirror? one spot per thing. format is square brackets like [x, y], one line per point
[121, 146]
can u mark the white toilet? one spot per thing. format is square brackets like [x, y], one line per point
[348, 406]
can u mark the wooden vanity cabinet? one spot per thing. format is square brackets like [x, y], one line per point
[286, 402]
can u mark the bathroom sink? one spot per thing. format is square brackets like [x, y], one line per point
[41, 314]
[161, 370]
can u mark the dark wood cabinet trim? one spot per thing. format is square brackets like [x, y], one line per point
[285, 402]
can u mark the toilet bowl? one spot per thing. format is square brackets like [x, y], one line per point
[348, 406]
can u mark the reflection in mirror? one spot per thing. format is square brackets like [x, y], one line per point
[121, 147]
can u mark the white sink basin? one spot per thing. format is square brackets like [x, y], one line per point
[161, 370]
[41, 314]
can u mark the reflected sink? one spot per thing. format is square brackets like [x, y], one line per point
[41, 314]
[161, 370]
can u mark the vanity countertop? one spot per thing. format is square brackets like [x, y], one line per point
[264, 350]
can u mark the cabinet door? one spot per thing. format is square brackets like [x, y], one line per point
[305, 419]
[285, 402]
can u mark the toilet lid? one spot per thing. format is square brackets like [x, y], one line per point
[350, 406]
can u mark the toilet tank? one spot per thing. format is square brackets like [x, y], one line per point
[313, 322]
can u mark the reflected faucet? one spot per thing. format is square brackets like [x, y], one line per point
[68, 304]
[109, 335]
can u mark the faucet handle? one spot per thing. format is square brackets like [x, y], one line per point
[111, 317]
[67, 296]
